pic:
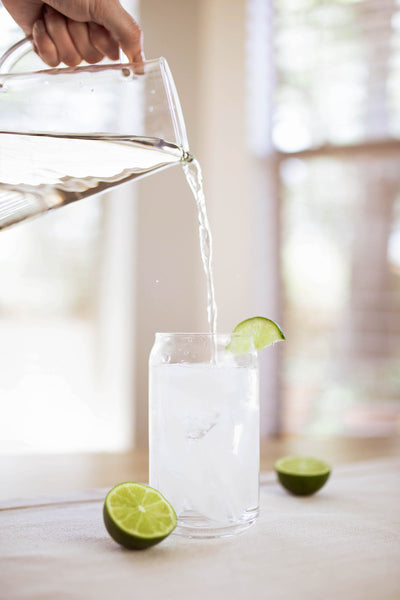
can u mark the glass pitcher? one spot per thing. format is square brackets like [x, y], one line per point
[68, 133]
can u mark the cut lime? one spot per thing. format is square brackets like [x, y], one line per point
[137, 516]
[258, 331]
[302, 475]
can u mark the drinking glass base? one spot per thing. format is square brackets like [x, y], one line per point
[194, 525]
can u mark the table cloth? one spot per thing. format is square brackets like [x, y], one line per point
[342, 543]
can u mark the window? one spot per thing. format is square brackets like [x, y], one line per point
[335, 137]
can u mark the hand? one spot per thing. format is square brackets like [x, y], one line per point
[70, 31]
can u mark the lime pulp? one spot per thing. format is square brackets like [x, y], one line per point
[137, 516]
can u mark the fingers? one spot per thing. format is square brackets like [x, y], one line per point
[126, 32]
[44, 45]
[82, 41]
[58, 38]
[57, 29]
[52, 40]
[102, 41]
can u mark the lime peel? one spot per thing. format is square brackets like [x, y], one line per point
[302, 475]
[257, 332]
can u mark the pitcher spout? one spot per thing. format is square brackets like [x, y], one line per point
[187, 157]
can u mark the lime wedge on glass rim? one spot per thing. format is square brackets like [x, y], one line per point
[302, 475]
[137, 516]
[259, 332]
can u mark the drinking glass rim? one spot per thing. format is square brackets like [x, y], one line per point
[222, 337]
[211, 342]
[198, 333]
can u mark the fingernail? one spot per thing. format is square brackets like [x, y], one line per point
[139, 58]
[139, 64]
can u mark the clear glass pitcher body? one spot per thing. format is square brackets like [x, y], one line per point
[68, 133]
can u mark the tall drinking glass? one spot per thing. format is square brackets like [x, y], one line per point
[204, 432]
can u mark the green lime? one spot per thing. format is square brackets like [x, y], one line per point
[302, 475]
[137, 516]
[257, 331]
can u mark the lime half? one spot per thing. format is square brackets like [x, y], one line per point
[137, 516]
[258, 331]
[302, 475]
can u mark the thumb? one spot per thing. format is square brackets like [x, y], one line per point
[124, 29]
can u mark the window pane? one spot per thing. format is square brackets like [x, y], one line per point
[48, 289]
[337, 85]
[341, 269]
[338, 76]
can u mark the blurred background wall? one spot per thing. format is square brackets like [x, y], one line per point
[205, 44]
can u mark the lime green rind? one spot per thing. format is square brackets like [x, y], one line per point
[255, 324]
[131, 527]
[257, 332]
[302, 475]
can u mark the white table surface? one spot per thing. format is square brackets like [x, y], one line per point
[341, 544]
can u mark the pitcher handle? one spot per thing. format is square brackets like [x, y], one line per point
[14, 54]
